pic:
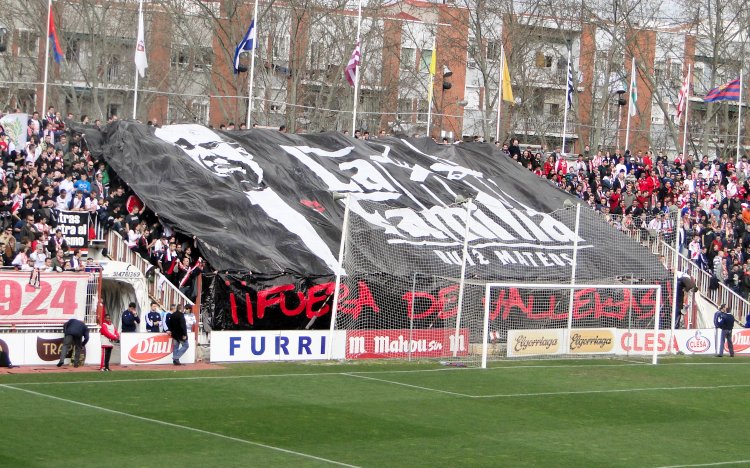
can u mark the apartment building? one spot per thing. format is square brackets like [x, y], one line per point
[303, 51]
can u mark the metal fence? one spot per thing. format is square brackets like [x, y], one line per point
[664, 246]
[159, 287]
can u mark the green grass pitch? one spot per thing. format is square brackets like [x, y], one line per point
[599, 413]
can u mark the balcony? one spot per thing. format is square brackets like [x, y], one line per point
[550, 125]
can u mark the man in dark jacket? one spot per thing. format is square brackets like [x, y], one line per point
[130, 319]
[76, 335]
[725, 322]
[178, 332]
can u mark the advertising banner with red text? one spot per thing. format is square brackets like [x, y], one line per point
[58, 298]
[151, 348]
[405, 343]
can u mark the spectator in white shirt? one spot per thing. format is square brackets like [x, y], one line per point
[39, 256]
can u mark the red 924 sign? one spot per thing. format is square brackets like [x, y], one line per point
[57, 299]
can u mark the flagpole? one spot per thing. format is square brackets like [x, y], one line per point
[687, 106]
[251, 81]
[430, 89]
[500, 92]
[630, 104]
[46, 59]
[739, 120]
[135, 94]
[567, 100]
[356, 71]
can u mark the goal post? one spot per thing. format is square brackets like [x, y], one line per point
[572, 321]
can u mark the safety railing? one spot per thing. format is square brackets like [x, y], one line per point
[722, 294]
[160, 288]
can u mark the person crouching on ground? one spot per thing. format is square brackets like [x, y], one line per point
[109, 337]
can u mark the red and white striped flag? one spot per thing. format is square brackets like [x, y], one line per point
[683, 96]
[350, 72]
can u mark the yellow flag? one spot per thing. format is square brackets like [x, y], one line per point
[507, 89]
[433, 65]
[433, 60]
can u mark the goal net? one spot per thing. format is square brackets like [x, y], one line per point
[424, 284]
[572, 321]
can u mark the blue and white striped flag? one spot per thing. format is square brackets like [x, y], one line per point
[571, 86]
[247, 44]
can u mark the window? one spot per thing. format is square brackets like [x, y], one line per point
[317, 56]
[422, 110]
[538, 100]
[114, 69]
[472, 48]
[180, 58]
[493, 50]
[408, 58]
[3, 39]
[200, 112]
[112, 109]
[554, 110]
[659, 72]
[72, 49]
[697, 81]
[28, 43]
[281, 48]
[204, 57]
[542, 61]
[405, 109]
[424, 63]
[676, 71]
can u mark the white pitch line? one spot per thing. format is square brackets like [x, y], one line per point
[180, 426]
[613, 390]
[533, 394]
[383, 372]
[393, 382]
[736, 462]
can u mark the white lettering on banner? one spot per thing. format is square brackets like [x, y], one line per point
[495, 217]
[152, 348]
[442, 225]
[375, 344]
[291, 345]
[74, 226]
[59, 297]
[225, 159]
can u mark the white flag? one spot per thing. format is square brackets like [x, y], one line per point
[140, 46]
[683, 96]
[633, 91]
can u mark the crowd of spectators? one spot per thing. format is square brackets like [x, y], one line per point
[635, 191]
[53, 172]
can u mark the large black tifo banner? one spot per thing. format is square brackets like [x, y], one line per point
[260, 204]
